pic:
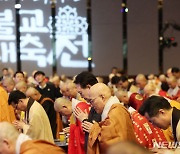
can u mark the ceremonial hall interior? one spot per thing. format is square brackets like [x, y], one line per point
[89, 77]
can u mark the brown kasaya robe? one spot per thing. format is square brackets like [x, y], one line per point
[39, 147]
[116, 127]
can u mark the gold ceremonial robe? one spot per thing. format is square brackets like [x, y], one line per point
[168, 132]
[116, 127]
[6, 111]
[38, 125]
[39, 147]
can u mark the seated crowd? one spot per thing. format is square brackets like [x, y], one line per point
[123, 116]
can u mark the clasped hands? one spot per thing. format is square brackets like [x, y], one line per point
[18, 124]
[80, 115]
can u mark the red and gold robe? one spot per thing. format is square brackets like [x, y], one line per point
[146, 133]
[77, 138]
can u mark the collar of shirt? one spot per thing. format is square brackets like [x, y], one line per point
[42, 87]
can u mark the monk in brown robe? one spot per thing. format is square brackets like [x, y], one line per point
[115, 125]
[13, 142]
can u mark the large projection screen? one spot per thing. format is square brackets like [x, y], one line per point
[71, 36]
[36, 46]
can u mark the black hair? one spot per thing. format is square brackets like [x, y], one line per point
[14, 97]
[5, 68]
[85, 78]
[115, 79]
[123, 78]
[18, 72]
[175, 70]
[164, 86]
[153, 104]
[38, 73]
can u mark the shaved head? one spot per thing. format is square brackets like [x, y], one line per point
[63, 106]
[33, 93]
[172, 82]
[63, 88]
[101, 89]
[8, 84]
[8, 137]
[71, 89]
[21, 86]
[122, 96]
[99, 95]
[141, 80]
[149, 89]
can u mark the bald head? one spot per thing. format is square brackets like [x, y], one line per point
[56, 81]
[8, 137]
[33, 93]
[122, 96]
[169, 72]
[172, 82]
[99, 95]
[162, 78]
[71, 89]
[101, 89]
[63, 106]
[141, 80]
[8, 84]
[8, 131]
[63, 88]
[21, 86]
[149, 89]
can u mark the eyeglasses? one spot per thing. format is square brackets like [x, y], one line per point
[93, 100]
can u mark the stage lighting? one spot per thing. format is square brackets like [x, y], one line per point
[168, 42]
[89, 58]
[17, 6]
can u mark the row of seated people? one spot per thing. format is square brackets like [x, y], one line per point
[93, 115]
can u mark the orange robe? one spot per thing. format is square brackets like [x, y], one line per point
[6, 111]
[39, 147]
[116, 127]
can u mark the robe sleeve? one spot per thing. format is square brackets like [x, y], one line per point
[4, 112]
[116, 127]
[31, 129]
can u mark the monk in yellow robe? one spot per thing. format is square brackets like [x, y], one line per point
[6, 111]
